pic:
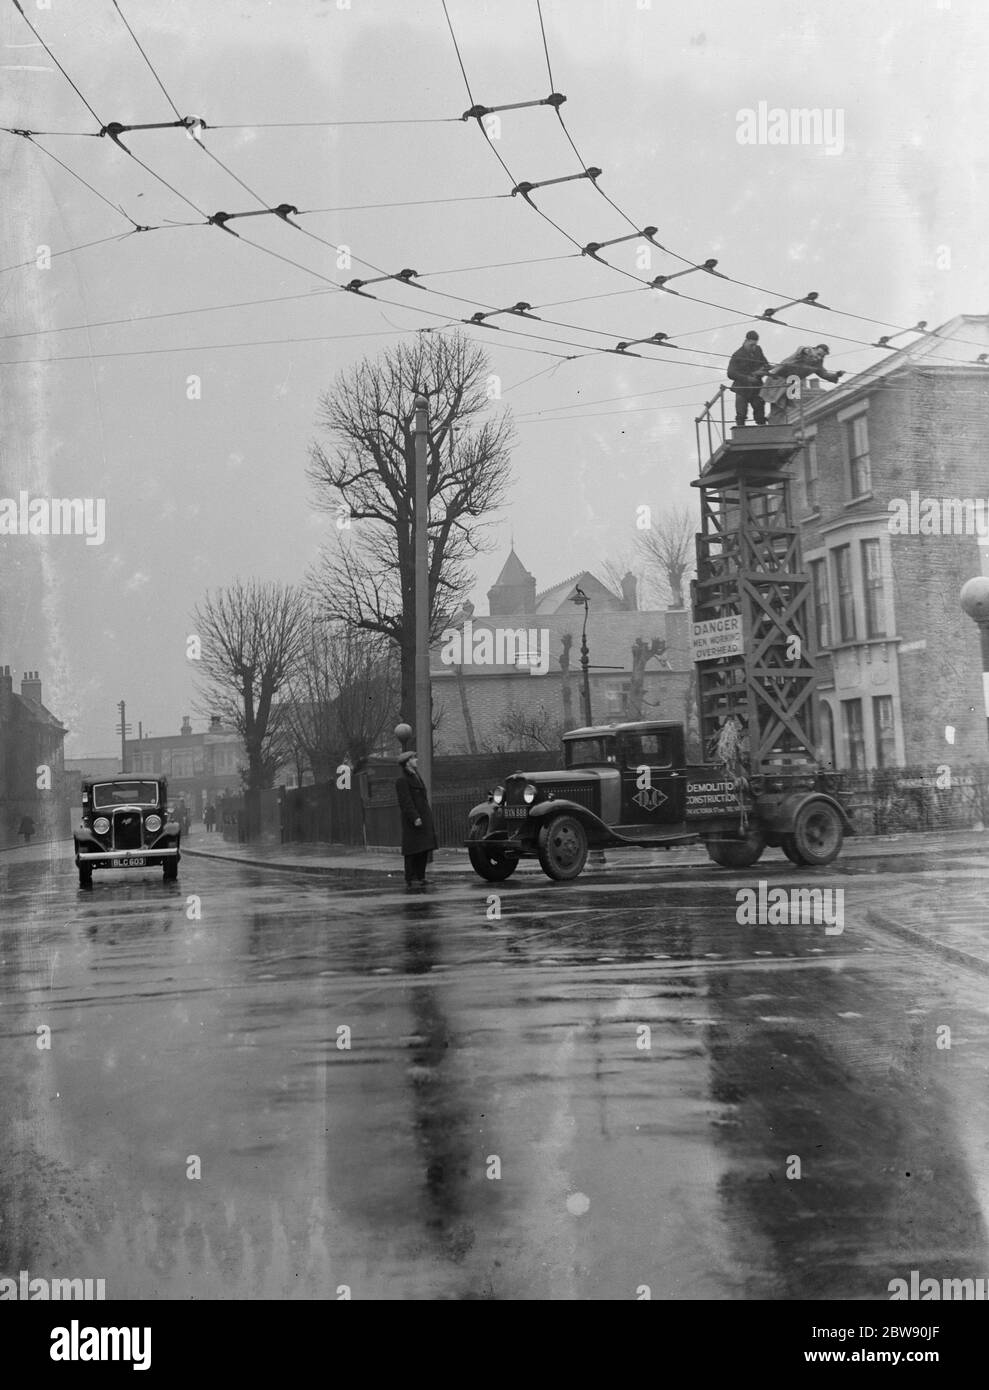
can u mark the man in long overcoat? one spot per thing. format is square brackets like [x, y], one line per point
[746, 370]
[418, 831]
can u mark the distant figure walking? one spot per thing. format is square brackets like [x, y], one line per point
[209, 817]
[746, 369]
[805, 362]
[418, 832]
[27, 829]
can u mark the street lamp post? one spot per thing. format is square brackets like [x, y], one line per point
[579, 596]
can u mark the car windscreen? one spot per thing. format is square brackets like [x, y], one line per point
[579, 752]
[124, 794]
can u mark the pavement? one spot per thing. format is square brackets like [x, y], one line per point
[955, 927]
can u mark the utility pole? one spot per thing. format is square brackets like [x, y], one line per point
[424, 723]
[123, 729]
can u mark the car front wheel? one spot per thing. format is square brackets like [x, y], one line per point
[170, 870]
[562, 848]
[85, 875]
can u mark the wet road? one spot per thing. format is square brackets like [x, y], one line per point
[263, 1085]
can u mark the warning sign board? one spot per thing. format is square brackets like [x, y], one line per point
[716, 638]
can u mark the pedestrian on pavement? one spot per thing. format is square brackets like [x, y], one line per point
[418, 832]
[27, 828]
[210, 816]
[746, 369]
[805, 362]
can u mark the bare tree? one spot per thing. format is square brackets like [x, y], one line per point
[368, 479]
[642, 652]
[525, 729]
[251, 637]
[667, 550]
[342, 696]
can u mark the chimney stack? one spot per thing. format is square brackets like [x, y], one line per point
[186, 726]
[215, 723]
[31, 686]
[630, 594]
[6, 689]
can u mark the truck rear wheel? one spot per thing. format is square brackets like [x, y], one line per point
[737, 854]
[491, 864]
[562, 848]
[818, 833]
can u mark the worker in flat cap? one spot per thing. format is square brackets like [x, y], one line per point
[746, 369]
[805, 362]
[418, 832]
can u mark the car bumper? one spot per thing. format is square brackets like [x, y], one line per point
[107, 858]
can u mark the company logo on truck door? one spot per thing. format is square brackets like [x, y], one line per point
[710, 798]
[649, 798]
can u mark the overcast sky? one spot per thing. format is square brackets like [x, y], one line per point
[200, 491]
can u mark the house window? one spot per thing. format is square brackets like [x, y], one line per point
[882, 715]
[811, 474]
[822, 604]
[616, 697]
[846, 596]
[854, 733]
[875, 606]
[825, 752]
[859, 471]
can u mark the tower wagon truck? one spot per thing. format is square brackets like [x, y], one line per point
[631, 784]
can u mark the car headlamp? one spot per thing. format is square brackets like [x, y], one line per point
[498, 795]
[528, 793]
[101, 825]
[153, 823]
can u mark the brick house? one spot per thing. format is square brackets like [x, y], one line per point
[31, 751]
[200, 767]
[900, 663]
[512, 678]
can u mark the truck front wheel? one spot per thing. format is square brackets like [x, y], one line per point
[737, 854]
[493, 865]
[818, 833]
[562, 848]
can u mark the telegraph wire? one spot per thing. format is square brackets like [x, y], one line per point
[20, 11]
[261, 342]
[144, 55]
[79, 178]
[68, 251]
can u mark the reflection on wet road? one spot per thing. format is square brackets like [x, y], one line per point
[261, 1085]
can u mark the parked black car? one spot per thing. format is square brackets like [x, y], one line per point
[126, 825]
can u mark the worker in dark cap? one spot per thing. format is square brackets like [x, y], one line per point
[745, 371]
[805, 362]
[418, 831]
